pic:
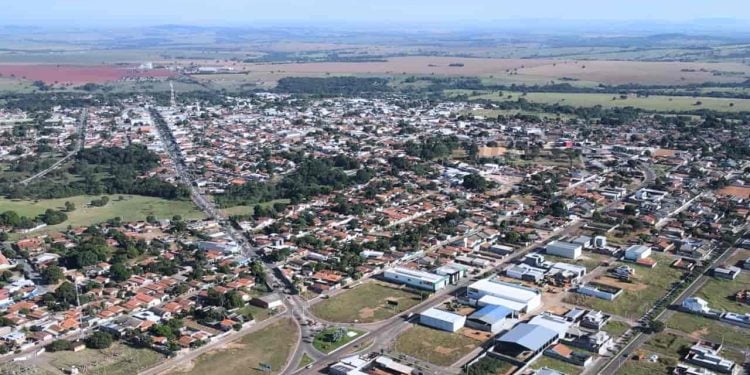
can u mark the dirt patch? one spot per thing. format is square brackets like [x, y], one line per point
[366, 312]
[633, 287]
[558, 310]
[442, 350]
[51, 74]
[475, 334]
[699, 334]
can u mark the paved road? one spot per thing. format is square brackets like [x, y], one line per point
[79, 146]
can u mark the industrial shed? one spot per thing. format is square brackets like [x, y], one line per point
[490, 318]
[517, 298]
[564, 249]
[524, 341]
[442, 320]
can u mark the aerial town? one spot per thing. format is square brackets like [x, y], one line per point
[377, 235]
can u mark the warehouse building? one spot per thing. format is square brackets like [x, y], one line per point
[517, 298]
[490, 318]
[417, 279]
[524, 342]
[442, 320]
[564, 249]
[637, 252]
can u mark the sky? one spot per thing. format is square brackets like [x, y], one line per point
[249, 12]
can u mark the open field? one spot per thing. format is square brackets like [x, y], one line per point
[248, 210]
[648, 286]
[556, 364]
[365, 303]
[244, 355]
[652, 103]
[434, 346]
[131, 208]
[699, 327]
[321, 343]
[119, 359]
[615, 328]
[719, 293]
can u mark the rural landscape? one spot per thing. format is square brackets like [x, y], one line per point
[426, 188]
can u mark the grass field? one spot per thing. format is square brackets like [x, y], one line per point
[321, 344]
[131, 208]
[245, 355]
[437, 347]
[558, 365]
[713, 330]
[248, 210]
[658, 103]
[304, 361]
[119, 359]
[365, 303]
[649, 285]
[616, 329]
[719, 293]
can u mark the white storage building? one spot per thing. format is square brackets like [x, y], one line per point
[637, 252]
[517, 298]
[564, 249]
[442, 320]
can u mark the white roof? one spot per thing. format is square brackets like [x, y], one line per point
[442, 315]
[426, 276]
[513, 292]
[557, 324]
[497, 301]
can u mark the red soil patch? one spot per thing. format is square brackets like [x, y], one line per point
[51, 74]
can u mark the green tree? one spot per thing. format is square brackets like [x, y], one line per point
[69, 206]
[52, 274]
[99, 340]
[119, 272]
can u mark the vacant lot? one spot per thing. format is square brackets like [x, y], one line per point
[53, 74]
[648, 286]
[438, 347]
[130, 208]
[652, 103]
[117, 360]
[720, 293]
[699, 327]
[366, 303]
[271, 345]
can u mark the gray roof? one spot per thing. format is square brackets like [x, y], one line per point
[530, 336]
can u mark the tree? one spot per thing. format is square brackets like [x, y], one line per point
[119, 272]
[69, 206]
[59, 346]
[475, 182]
[99, 340]
[656, 326]
[65, 294]
[52, 274]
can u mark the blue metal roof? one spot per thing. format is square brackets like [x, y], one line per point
[529, 336]
[491, 313]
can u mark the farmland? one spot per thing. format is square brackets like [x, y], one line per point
[660, 103]
[52, 74]
[365, 303]
[245, 355]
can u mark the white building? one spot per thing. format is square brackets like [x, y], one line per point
[637, 252]
[442, 320]
[517, 298]
[564, 249]
[417, 279]
[695, 305]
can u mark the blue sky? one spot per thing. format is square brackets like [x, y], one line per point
[247, 12]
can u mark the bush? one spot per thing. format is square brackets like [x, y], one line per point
[59, 346]
[99, 340]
